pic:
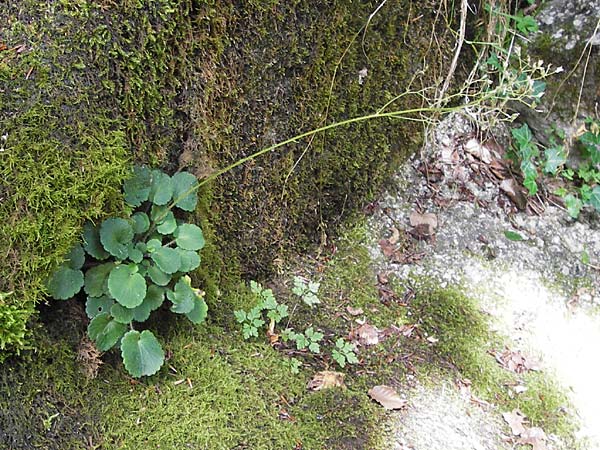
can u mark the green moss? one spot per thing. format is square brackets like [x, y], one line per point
[204, 83]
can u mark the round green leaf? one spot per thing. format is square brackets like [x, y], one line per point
[121, 314]
[98, 305]
[182, 297]
[158, 276]
[116, 235]
[158, 213]
[105, 331]
[161, 189]
[76, 257]
[141, 222]
[134, 254]
[95, 279]
[154, 298]
[189, 237]
[65, 283]
[126, 285]
[137, 188]
[184, 194]
[142, 353]
[167, 259]
[200, 311]
[189, 260]
[153, 245]
[91, 242]
[168, 225]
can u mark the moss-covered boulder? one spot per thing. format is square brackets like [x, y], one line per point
[568, 37]
[88, 86]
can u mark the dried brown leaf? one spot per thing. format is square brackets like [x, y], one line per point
[481, 152]
[424, 225]
[354, 311]
[395, 237]
[89, 357]
[383, 278]
[387, 397]
[515, 361]
[513, 191]
[535, 437]
[367, 335]
[387, 248]
[515, 420]
[325, 380]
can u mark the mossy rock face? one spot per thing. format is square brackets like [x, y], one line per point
[287, 69]
[88, 86]
[566, 39]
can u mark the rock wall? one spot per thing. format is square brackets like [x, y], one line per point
[90, 85]
[569, 37]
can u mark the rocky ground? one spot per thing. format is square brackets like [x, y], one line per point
[454, 213]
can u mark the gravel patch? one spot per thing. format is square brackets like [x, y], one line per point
[541, 290]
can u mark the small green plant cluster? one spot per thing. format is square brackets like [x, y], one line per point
[309, 339]
[252, 320]
[128, 266]
[585, 179]
[344, 353]
[307, 290]
[268, 308]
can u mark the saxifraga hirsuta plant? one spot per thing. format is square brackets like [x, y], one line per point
[133, 264]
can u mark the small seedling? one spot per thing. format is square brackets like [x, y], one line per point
[295, 365]
[252, 320]
[306, 290]
[344, 352]
[309, 339]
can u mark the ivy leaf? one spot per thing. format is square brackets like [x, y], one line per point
[513, 236]
[142, 353]
[158, 276]
[161, 189]
[105, 331]
[95, 279]
[189, 237]
[573, 204]
[531, 185]
[137, 188]
[168, 224]
[167, 259]
[182, 296]
[98, 305]
[121, 314]
[200, 311]
[141, 222]
[595, 198]
[65, 283]
[154, 298]
[76, 257]
[116, 235]
[555, 158]
[189, 260]
[184, 196]
[91, 242]
[126, 285]
[522, 135]
[526, 24]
